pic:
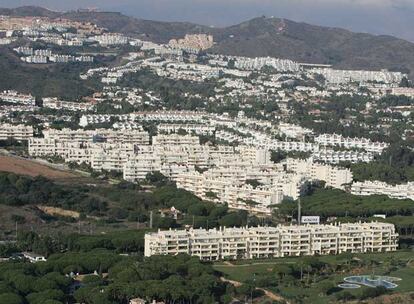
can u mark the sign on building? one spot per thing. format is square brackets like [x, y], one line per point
[310, 219]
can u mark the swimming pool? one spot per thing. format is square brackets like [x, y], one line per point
[373, 281]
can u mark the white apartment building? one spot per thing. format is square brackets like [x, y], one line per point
[15, 97]
[160, 116]
[175, 139]
[403, 191]
[271, 242]
[199, 129]
[171, 116]
[335, 157]
[54, 103]
[86, 120]
[138, 166]
[38, 59]
[346, 76]
[111, 39]
[282, 65]
[28, 51]
[333, 176]
[17, 132]
[134, 136]
[290, 146]
[61, 58]
[348, 143]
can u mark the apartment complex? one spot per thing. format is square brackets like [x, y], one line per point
[254, 187]
[243, 176]
[271, 242]
[336, 157]
[334, 177]
[200, 129]
[110, 39]
[403, 191]
[171, 158]
[17, 132]
[55, 103]
[102, 149]
[136, 136]
[346, 76]
[15, 97]
[349, 143]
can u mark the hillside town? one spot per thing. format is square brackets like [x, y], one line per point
[160, 168]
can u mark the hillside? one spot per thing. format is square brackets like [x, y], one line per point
[264, 37]
[152, 30]
[43, 80]
[315, 44]
[27, 11]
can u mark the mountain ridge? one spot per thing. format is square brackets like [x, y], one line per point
[262, 36]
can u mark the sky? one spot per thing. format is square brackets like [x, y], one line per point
[389, 17]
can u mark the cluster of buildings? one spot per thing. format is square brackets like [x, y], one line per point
[272, 242]
[28, 102]
[258, 63]
[59, 31]
[346, 76]
[194, 41]
[238, 171]
[150, 116]
[242, 176]
[247, 181]
[43, 26]
[318, 151]
[102, 149]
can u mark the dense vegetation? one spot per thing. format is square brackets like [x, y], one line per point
[171, 279]
[395, 166]
[171, 92]
[18, 190]
[57, 80]
[333, 202]
[124, 202]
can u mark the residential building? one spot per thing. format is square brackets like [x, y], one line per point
[402, 191]
[332, 176]
[15, 97]
[17, 132]
[349, 143]
[271, 242]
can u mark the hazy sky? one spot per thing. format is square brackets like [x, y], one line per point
[393, 17]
